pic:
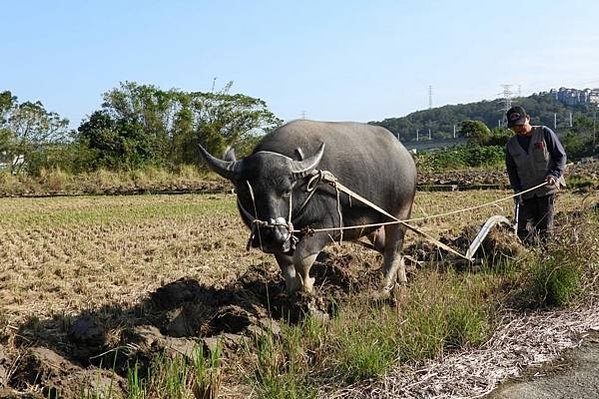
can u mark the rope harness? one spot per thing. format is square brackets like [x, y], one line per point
[317, 177]
[324, 176]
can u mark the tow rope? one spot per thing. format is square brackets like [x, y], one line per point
[329, 178]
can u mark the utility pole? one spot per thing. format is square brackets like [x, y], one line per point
[430, 106]
[454, 130]
[416, 134]
[594, 130]
[430, 97]
[555, 121]
[570, 118]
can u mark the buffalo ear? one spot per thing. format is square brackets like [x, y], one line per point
[229, 155]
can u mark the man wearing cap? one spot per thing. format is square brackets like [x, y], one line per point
[533, 156]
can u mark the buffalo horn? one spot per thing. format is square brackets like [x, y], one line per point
[229, 154]
[227, 169]
[303, 168]
[244, 212]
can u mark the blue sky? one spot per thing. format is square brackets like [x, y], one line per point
[329, 60]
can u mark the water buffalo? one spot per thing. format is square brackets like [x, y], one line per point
[279, 182]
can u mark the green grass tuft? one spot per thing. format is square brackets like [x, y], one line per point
[552, 281]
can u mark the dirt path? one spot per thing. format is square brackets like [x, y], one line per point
[574, 375]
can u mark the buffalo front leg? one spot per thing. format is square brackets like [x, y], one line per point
[288, 269]
[394, 266]
[305, 254]
[303, 264]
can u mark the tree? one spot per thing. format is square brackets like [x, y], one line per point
[142, 124]
[100, 134]
[476, 131]
[500, 136]
[26, 128]
[229, 120]
[144, 113]
[578, 140]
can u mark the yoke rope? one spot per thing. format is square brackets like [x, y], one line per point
[332, 180]
[418, 219]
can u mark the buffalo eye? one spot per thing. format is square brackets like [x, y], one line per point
[286, 190]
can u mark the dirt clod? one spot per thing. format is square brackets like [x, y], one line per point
[58, 377]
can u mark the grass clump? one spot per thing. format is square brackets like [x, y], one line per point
[282, 367]
[554, 280]
[444, 312]
[566, 266]
[177, 377]
[367, 342]
[207, 373]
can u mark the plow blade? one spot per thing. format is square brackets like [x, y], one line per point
[483, 232]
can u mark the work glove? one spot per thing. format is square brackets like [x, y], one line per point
[552, 181]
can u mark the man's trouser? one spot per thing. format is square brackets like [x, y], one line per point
[539, 212]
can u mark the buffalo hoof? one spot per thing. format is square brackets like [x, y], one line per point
[308, 285]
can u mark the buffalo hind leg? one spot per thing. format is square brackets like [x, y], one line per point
[394, 267]
[377, 238]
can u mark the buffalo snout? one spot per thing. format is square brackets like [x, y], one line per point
[273, 236]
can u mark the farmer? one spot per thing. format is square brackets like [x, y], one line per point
[533, 156]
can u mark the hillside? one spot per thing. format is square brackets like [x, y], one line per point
[441, 120]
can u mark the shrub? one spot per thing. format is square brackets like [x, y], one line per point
[461, 157]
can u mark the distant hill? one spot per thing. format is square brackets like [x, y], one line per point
[441, 120]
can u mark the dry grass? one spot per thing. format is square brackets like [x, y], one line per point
[64, 256]
[187, 179]
[525, 341]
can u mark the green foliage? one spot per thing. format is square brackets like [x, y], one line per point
[476, 131]
[143, 125]
[577, 145]
[461, 157]
[281, 372]
[367, 344]
[479, 134]
[443, 313]
[176, 377]
[118, 144]
[207, 372]
[26, 129]
[552, 280]
[442, 120]
[138, 126]
[499, 137]
[579, 139]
